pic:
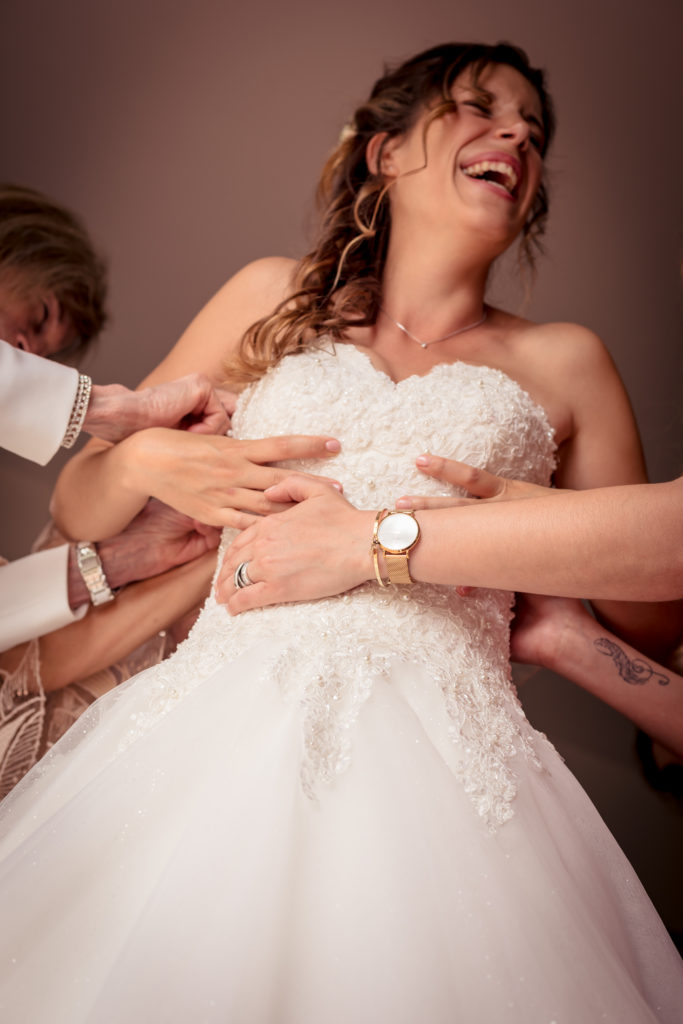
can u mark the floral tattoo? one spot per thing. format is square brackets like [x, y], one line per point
[632, 670]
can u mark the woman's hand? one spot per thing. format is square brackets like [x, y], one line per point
[220, 480]
[318, 548]
[216, 480]
[479, 483]
[542, 626]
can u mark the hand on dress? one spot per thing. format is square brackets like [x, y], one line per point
[191, 403]
[541, 627]
[158, 539]
[318, 548]
[218, 480]
[479, 483]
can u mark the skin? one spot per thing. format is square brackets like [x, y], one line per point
[109, 633]
[115, 412]
[217, 480]
[447, 229]
[559, 634]
[158, 539]
[32, 320]
[553, 542]
[561, 542]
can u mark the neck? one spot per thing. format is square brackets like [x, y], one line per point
[430, 294]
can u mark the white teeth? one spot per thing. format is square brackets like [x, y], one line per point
[476, 170]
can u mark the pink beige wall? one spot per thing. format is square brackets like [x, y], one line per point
[189, 135]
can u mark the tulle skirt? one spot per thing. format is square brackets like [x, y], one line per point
[186, 876]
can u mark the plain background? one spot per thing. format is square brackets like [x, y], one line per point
[189, 137]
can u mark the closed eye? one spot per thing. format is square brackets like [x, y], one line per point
[41, 321]
[478, 105]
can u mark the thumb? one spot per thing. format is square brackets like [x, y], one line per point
[299, 488]
[228, 399]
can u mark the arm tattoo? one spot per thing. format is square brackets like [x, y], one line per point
[632, 670]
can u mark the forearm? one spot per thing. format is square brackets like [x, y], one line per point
[646, 692]
[620, 543]
[101, 489]
[614, 544]
[111, 632]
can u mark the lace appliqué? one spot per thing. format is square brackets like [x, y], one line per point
[326, 656]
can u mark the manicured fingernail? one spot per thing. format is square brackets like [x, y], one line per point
[422, 460]
[333, 446]
[404, 503]
[338, 487]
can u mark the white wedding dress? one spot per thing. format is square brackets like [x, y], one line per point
[332, 812]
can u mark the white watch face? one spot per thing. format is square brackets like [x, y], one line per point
[398, 531]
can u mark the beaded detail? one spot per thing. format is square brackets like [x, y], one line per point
[78, 411]
[326, 656]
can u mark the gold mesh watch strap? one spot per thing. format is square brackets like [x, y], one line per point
[397, 567]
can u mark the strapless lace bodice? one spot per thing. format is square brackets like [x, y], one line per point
[326, 655]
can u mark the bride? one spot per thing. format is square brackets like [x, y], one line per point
[336, 811]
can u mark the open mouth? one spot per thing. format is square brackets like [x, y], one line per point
[495, 171]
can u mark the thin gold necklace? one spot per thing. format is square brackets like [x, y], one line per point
[435, 341]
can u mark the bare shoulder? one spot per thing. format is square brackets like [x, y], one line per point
[270, 277]
[254, 291]
[216, 331]
[569, 371]
[603, 446]
[562, 355]
[565, 346]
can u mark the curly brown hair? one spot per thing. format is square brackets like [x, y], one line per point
[337, 284]
[44, 248]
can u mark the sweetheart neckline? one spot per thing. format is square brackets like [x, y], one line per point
[396, 384]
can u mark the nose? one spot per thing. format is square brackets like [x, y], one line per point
[516, 131]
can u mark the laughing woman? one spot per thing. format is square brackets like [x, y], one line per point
[335, 810]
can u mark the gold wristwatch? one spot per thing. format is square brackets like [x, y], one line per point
[395, 534]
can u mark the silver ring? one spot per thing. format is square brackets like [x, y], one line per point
[241, 576]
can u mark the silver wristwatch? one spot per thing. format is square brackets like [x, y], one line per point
[90, 568]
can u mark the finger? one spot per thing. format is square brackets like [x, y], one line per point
[280, 475]
[243, 499]
[237, 519]
[225, 582]
[209, 415]
[195, 547]
[256, 596]
[478, 482]
[228, 399]
[418, 501]
[278, 449]
[299, 487]
[204, 529]
[216, 422]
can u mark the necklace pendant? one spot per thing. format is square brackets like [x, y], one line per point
[435, 341]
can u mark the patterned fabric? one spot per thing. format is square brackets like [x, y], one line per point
[352, 640]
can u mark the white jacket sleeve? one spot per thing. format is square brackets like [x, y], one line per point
[34, 596]
[36, 398]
